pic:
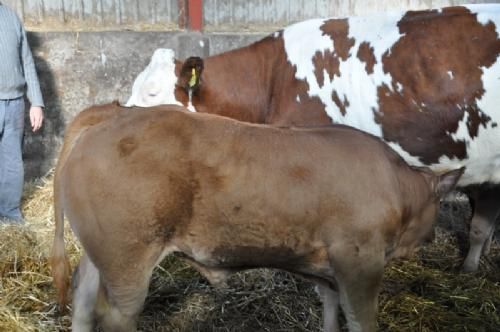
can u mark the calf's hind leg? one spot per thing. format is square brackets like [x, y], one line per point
[122, 294]
[119, 306]
[115, 305]
[85, 288]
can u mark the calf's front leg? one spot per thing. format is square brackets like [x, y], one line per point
[359, 277]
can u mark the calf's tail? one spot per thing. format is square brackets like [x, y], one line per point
[59, 261]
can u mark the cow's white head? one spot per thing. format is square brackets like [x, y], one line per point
[156, 84]
[159, 84]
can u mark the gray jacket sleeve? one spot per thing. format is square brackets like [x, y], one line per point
[33, 86]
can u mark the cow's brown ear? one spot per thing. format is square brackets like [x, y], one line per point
[189, 77]
[447, 181]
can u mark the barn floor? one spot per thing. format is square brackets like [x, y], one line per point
[425, 293]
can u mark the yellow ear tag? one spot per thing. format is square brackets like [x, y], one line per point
[192, 81]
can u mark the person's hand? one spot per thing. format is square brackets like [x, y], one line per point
[36, 117]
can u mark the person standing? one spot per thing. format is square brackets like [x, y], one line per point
[17, 78]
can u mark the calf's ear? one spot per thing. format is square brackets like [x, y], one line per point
[447, 181]
[190, 74]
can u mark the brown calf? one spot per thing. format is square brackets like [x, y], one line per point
[331, 204]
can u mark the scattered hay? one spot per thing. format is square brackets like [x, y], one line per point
[425, 293]
[27, 295]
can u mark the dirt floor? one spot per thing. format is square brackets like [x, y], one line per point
[425, 293]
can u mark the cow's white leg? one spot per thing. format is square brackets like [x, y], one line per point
[487, 244]
[330, 299]
[482, 228]
[85, 288]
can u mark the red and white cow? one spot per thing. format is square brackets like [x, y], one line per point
[427, 82]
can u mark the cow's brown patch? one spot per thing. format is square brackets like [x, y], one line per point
[313, 113]
[338, 31]
[126, 146]
[310, 111]
[342, 105]
[476, 118]
[325, 61]
[433, 102]
[366, 54]
[293, 105]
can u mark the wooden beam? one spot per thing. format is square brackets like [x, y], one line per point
[195, 14]
[183, 13]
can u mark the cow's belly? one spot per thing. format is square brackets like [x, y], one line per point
[482, 163]
[253, 244]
